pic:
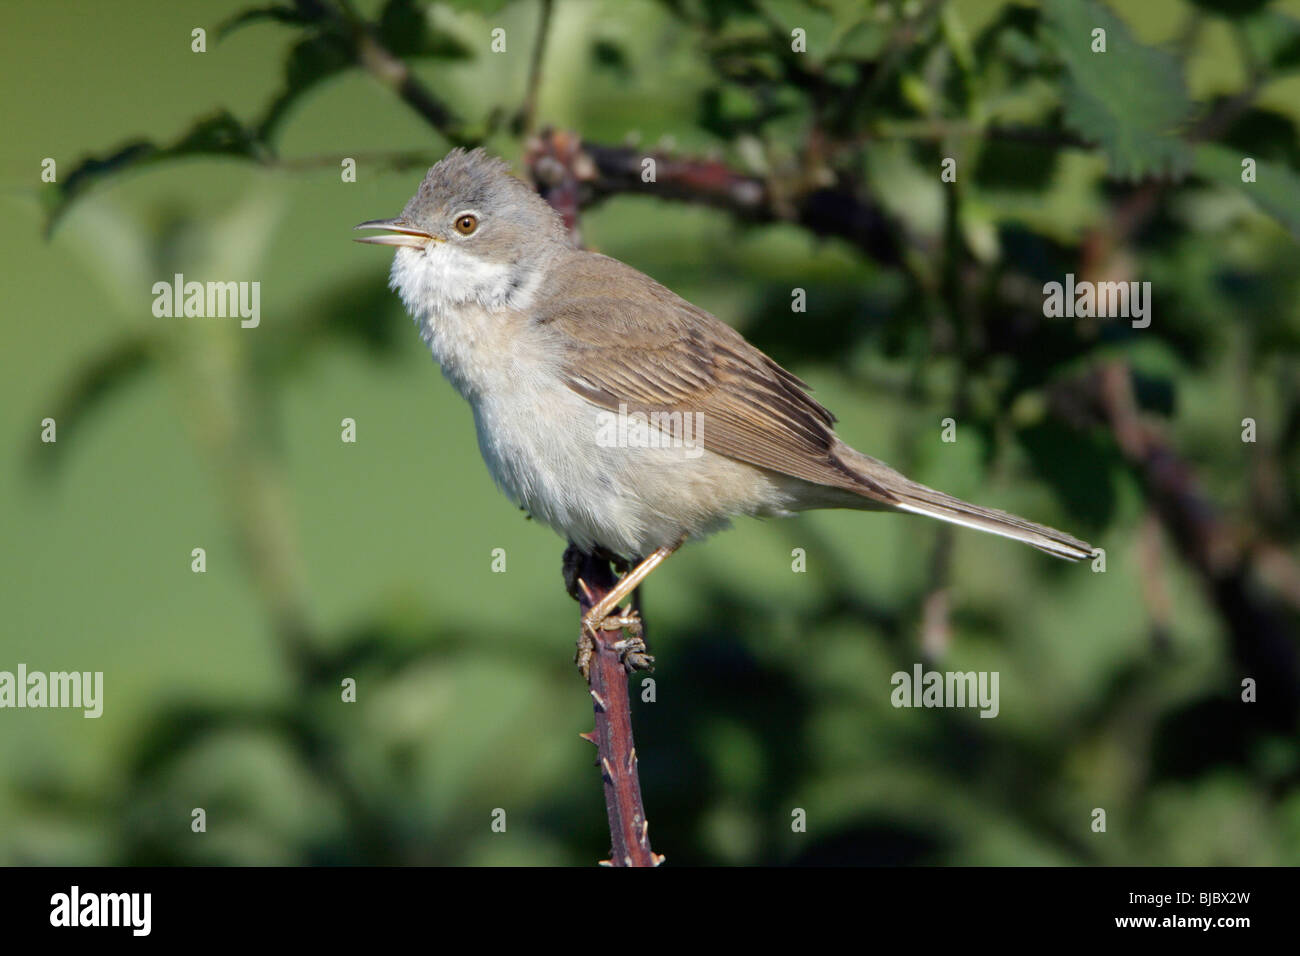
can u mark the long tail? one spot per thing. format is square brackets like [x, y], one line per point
[906, 495]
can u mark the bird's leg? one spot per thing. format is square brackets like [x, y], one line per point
[596, 617]
[573, 558]
[601, 617]
[631, 650]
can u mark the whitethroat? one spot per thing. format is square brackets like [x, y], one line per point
[610, 408]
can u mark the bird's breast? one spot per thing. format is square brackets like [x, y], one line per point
[472, 313]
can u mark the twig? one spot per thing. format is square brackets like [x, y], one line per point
[939, 128]
[396, 160]
[526, 118]
[1223, 555]
[616, 752]
[593, 172]
[901, 43]
[393, 72]
[557, 165]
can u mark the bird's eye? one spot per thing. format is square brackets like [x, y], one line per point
[466, 224]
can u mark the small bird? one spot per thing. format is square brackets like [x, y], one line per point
[610, 408]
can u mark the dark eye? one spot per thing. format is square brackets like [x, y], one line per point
[466, 224]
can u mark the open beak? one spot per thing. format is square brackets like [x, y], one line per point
[398, 231]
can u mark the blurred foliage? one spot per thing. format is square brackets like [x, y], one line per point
[1119, 690]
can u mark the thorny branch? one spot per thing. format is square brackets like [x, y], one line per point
[526, 118]
[573, 175]
[590, 578]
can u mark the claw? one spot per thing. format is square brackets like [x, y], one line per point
[625, 618]
[585, 652]
[631, 651]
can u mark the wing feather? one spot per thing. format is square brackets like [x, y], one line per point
[628, 341]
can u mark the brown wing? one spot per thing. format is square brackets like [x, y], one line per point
[629, 341]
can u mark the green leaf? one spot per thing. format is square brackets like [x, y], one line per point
[1265, 134]
[329, 48]
[1276, 189]
[88, 390]
[310, 61]
[1274, 40]
[277, 14]
[220, 134]
[1012, 37]
[332, 48]
[865, 40]
[1129, 100]
[405, 30]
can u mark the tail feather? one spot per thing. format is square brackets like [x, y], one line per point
[907, 495]
[921, 500]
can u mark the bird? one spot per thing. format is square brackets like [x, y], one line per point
[610, 408]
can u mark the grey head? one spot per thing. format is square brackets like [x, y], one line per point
[471, 202]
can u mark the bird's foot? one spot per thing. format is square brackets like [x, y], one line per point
[631, 650]
[586, 651]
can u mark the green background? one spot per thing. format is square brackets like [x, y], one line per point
[772, 687]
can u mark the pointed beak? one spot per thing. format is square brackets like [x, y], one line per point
[398, 232]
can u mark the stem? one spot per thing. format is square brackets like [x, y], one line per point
[573, 175]
[392, 71]
[1224, 557]
[526, 118]
[615, 749]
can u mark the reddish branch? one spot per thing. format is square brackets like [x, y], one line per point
[616, 751]
[573, 175]
[557, 164]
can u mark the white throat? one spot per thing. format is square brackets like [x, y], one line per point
[442, 277]
[469, 311]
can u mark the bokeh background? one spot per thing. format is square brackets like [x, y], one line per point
[1119, 690]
